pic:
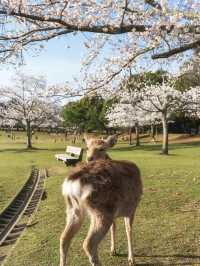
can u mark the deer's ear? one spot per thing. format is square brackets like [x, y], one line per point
[111, 141]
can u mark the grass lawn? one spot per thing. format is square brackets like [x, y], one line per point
[167, 224]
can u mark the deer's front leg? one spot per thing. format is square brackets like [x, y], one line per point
[113, 239]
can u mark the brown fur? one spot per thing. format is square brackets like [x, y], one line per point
[115, 184]
[113, 188]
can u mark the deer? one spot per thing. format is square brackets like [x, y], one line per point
[103, 189]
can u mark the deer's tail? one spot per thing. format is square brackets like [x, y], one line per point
[76, 193]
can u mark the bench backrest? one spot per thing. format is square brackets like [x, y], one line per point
[74, 150]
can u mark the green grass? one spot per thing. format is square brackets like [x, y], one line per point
[167, 224]
[16, 161]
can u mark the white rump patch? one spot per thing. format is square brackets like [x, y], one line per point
[73, 188]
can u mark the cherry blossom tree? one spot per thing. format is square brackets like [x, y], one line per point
[169, 28]
[163, 100]
[29, 102]
[124, 116]
[192, 102]
[151, 120]
[2, 108]
[129, 116]
[41, 20]
[156, 102]
[115, 33]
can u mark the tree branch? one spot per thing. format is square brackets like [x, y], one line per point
[39, 39]
[26, 34]
[123, 15]
[113, 75]
[154, 4]
[49, 24]
[107, 29]
[177, 50]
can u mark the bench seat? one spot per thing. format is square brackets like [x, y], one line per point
[72, 155]
[65, 156]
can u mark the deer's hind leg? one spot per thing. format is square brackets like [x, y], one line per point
[128, 225]
[113, 239]
[74, 222]
[99, 226]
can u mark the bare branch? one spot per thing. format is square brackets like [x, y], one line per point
[177, 50]
[123, 15]
[154, 4]
[113, 75]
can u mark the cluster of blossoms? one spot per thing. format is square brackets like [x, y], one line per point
[123, 115]
[115, 32]
[126, 115]
[153, 104]
[192, 98]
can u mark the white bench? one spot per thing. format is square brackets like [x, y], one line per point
[72, 155]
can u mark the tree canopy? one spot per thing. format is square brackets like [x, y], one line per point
[86, 114]
[169, 28]
[44, 20]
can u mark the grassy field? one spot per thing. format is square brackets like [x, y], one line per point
[167, 224]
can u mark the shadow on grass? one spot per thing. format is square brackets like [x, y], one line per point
[174, 256]
[167, 264]
[32, 150]
[142, 147]
[157, 147]
[32, 224]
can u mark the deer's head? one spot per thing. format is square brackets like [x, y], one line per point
[96, 148]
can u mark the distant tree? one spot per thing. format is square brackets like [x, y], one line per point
[2, 107]
[138, 81]
[28, 102]
[125, 115]
[107, 104]
[161, 100]
[192, 100]
[86, 114]
[189, 73]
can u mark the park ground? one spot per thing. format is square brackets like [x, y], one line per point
[167, 223]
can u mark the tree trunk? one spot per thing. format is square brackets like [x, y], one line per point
[197, 127]
[130, 136]
[153, 133]
[156, 131]
[165, 134]
[29, 134]
[66, 135]
[137, 136]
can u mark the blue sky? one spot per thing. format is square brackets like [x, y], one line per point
[56, 62]
[59, 63]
